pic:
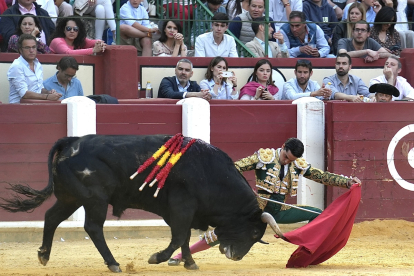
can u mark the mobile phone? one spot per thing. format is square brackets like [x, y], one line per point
[226, 74]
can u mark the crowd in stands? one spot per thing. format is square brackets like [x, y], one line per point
[368, 29]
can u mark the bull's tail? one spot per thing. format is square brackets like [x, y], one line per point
[35, 198]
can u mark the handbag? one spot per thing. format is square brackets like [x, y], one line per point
[80, 6]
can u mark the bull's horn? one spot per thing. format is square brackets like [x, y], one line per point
[268, 218]
[261, 241]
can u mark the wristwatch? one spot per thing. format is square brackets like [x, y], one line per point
[334, 7]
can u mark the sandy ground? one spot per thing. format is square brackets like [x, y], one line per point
[374, 248]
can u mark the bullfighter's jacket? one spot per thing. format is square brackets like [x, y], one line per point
[266, 164]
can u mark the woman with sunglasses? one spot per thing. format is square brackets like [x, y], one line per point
[261, 86]
[70, 38]
[28, 24]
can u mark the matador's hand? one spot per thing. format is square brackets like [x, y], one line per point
[354, 180]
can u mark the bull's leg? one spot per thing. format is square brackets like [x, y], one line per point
[94, 220]
[53, 217]
[189, 262]
[180, 223]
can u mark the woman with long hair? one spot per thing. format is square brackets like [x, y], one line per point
[28, 24]
[261, 87]
[385, 33]
[356, 12]
[217, 84]
[171, 41]
[236, 7]
[70, 38]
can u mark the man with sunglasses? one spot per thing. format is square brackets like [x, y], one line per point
[65, 81]
[361, 45]
[26, 74]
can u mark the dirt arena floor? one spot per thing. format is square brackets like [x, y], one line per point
[374, 248]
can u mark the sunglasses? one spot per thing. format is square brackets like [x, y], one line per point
[69, 29]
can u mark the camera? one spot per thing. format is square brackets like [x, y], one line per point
[226, 74]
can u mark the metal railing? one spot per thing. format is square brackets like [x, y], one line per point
[201, 22]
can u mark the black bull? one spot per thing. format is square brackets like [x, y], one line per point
[203, 189]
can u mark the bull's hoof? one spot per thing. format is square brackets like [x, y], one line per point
[193, 266]
[153, 259]
[114, 268]
[42, 259]
[174, 262]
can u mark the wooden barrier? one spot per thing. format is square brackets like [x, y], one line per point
[358, 137]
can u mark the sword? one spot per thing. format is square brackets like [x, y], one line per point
[290, 205]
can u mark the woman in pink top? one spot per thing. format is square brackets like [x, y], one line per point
[70, 38]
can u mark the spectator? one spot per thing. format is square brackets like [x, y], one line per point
[63, 8]
[171, 41]
[345, 86]
[181, 8]
[384, 33]
[180, 86]
[139, 29]
[65, 81]
[257, 45]
[49, 6]
[369, 9]
[280, 10]
[320, 11]
[261, 86]
[384, 92]
[356, 12]
[9, 24]
[242, 28]
[103, 9]
[391, 70]
[216, 43]
[217, 84]
[28, 24]
[302, 86]
[201, 27]
[338, 6]
[361, 45]
[25, 75]
[304, 39]
[70, 38]
[236, 7]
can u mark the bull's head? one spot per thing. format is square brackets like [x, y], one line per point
[236, 242]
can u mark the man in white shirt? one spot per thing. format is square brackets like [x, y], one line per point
[280, 10]
[391, 70]
[138, 28]
[216, 43]
[25, 75]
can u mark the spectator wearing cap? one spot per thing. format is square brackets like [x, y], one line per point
[302, 86]
[257, 45]
[65, 81]
[361, 45]
[384, 92]
[304, 39]
[392, 68]
[216, 43]
[345, 86]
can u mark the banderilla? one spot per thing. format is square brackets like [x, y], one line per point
[290, 205]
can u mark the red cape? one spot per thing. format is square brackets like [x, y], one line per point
[327, 234]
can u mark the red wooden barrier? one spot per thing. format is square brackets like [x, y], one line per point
[358, 137]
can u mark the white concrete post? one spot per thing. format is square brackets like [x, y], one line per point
[311, 131]
[196, 118]
[81, 119]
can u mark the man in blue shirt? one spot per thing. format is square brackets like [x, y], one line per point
[64, 81]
